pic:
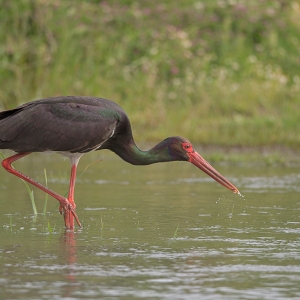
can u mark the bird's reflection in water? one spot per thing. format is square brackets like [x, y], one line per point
[69, 249]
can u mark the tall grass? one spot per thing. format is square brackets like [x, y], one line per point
[219, 72]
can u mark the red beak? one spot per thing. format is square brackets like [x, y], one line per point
[197, 160]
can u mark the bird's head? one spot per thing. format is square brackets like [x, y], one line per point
[182, 149]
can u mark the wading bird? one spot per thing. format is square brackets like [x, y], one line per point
[73, 126]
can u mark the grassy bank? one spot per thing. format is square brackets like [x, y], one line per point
[222, 73]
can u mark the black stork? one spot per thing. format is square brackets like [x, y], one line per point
[74, 125]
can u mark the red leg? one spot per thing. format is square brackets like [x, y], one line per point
[68, 214]
[6, 163]
[71, 193]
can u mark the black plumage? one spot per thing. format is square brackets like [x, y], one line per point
[73, 124]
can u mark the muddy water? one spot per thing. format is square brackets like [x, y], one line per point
[165, 231]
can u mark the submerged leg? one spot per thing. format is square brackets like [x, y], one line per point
[67, 206]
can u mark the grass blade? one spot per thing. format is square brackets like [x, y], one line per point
[65, 195]
[50, 229]
[30, 192]
[88, 167]
[175, 233]
[46, 197]
[102, 222]
[1, 154]
[10, 222]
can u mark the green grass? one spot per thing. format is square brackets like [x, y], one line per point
[222, 73]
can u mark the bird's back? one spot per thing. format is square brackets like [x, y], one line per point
[72, 123]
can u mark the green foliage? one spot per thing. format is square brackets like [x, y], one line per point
[218, 72]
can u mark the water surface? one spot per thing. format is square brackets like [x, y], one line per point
[165, 231]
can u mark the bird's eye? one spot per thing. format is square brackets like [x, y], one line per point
[187, 146]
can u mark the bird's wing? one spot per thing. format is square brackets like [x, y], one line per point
[73, 127]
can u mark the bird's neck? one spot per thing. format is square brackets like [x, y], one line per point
[133, 155]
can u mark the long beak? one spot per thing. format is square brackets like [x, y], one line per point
[197, 160]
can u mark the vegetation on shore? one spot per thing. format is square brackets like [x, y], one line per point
[220, 72]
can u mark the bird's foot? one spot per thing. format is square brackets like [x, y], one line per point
[68, 211]
[76, 219]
